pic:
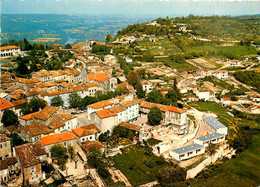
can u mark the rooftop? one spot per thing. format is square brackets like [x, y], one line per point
[47, 112]
[35, 128]
[105, 113]
[28, 116]
[57, 138]
[88, 145]
[29, 154]
[100, 104]
[210, 137]
[86, 130]
[4, 104]
[65, 117]
[130, 126]
[214, 123]
[188, 148]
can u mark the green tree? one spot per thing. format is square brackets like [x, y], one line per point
[36, 104]
[168, 175]
[16, 140]
[154, 116]
[97, 160]
[108, 38]
[74, 100]
[155, 96]
[132, 77]
[9, 118]
[172, 95]
[58, 153]
[71, 151]
[57, 101]
[68, 46]
[212, 148]
[139, 91]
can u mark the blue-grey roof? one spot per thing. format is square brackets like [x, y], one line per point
[214, 123]
[187, 148]
[210, 137]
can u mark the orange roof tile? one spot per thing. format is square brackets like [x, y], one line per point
[100, 104]
[116, 109]
[88, 145]
[4, 104]
[57, 138]
[35, 128]
[130, 126]
[55, 124]
[65, 117]
[101, 77]
[19, 102]
[105, 113]
[8, 47]
[226, 99]
[45, 113]
[28, 116]
[86, 130]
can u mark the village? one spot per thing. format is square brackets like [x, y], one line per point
[184, 133]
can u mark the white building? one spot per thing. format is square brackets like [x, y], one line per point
[187, 152]
[215, 125]
[225, 101]
[208, 139]
[98, 106]
[203, 94]
[221, 74]
[147, 86]
[235, 62]
[70, 121]
[88, 132]
[9, 51]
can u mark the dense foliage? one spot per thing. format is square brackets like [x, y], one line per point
[154, 116]
[9, 118]
[251, 78]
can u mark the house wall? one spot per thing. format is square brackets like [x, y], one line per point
[65, 143]
[33, 173]
[5, 150]
[188, 154]
[4, 175]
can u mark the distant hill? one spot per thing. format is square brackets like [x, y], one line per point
[217, 27]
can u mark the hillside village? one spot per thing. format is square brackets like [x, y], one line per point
[78, 114]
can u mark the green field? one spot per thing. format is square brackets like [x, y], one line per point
[243, 170]
[137, 166]
[223, 116]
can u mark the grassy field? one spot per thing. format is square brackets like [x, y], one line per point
[223, 116]
[243, 170]
[137, 166]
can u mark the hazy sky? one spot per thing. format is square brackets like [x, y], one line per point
[152, 7]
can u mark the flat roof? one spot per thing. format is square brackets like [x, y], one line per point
[210, 137]
[214, 123]
[187, 148]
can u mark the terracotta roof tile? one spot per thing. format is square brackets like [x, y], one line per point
[100, 104]
[4, 104]
[57, 138]
[47, 112]
[101, 77]
[35, 128]
[86, 130]
[28, 154]
[8, 47]
[29, 116]
[65, 117]
[55, 124]
[105, 113]
[88, 145]
[131, 126]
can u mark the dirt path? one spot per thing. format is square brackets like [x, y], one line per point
[117, 175]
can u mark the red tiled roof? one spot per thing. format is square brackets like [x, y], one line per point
[65, 117]
[45, 113]
[101, 77]
[86, 130]
[88, 145]
[105, 113]
[35, 128]
[130, 126]
[4, 104]
[100, 104]
[8, 47]
[28, 116]
[57, 138]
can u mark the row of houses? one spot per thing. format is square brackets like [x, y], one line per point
[199, 145]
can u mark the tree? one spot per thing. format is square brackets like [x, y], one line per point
[155, 96]
[172, 95]
[154, 116]
[168, 175]
[58, 152]
[71, 151]
[36, 104]
[74, 100]
[132, 77]
[211, 149]
[97, 160]
[57, 101]
[16, 140]
[68, 46]
[139, 91]
[9, 118]
[108, 38]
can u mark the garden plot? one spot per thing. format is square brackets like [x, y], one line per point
[204, 63]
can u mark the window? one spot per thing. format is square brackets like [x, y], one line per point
[90, 137]
[5, 144]
[32, 170]
[0, 145]
[65, 144]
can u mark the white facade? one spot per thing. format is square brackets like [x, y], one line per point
[203, 94]
[187, 152]
[208, 139]
[9, 51]
[222, 74]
